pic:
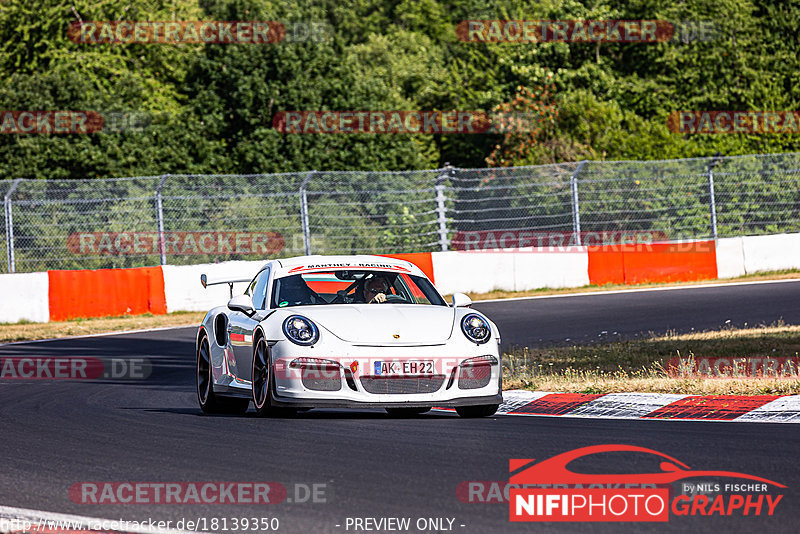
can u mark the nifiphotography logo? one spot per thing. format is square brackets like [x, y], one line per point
[549, 491]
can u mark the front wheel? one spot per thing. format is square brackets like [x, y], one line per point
[481, 410]
[210, 402]
[262, 383]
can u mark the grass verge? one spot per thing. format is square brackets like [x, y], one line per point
[27, 331]
[640, 365]
[787, 274]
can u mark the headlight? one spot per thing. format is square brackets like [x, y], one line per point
[476, 328]
[300, 330]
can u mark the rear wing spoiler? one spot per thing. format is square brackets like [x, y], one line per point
[204, 280]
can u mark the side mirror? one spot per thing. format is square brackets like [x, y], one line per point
[242, 303]
[460, 300]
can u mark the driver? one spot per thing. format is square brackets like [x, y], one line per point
[375, 290]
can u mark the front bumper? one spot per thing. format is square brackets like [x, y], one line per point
[290, 390]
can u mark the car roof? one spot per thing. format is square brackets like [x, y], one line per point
[361, 261]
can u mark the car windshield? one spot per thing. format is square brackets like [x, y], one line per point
[353, 287]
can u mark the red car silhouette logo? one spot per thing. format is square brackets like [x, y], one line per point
[554, 470]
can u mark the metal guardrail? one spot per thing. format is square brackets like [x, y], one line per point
[72, 224]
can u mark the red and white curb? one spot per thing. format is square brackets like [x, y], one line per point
[748, 408]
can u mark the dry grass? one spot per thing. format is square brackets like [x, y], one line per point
[501, 294]
[26, 331]
[639, 365]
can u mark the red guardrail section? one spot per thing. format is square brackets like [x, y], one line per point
[115, 292]
[106, 292]
[658, 262]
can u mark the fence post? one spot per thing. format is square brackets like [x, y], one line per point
[304, 213]
[441, 209]
[10, 224]
[712, 201]
[576, 212]
[160, 220]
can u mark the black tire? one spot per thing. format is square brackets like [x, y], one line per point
[481, 410]
[262, 383]
[210, 402]
[406, 412]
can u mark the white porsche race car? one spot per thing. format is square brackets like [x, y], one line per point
[346, 331]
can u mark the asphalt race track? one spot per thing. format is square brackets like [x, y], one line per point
[54, 434]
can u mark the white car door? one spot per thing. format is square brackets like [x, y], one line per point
[241, 327]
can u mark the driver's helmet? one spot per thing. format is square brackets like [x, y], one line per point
[295, 291]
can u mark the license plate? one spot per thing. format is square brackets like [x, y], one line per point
[402, 368]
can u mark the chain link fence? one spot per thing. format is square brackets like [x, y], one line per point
[183, 219]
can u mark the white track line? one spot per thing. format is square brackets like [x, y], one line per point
[640, 290]
[15, 518]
